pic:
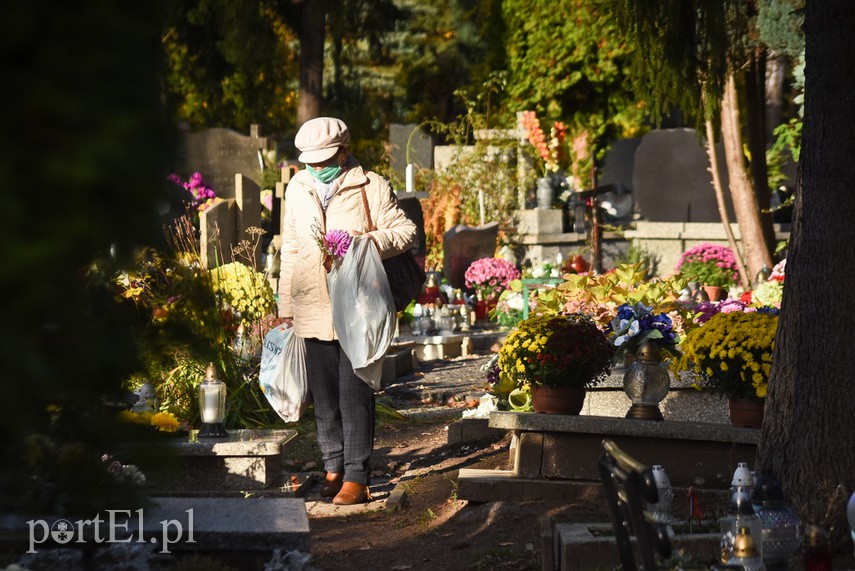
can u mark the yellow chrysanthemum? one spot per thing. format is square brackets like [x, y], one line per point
[733, 351]
[165, 421]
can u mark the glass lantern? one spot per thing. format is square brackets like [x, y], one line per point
[661, 510]
[781, 527]
[646, 382]
[212, 404]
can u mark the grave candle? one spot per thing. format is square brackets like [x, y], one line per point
[210, 409]
[411, 178]
[212, 404]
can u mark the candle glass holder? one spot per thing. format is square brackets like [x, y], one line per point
[212, 405]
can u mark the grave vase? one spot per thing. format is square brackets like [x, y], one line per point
[747, 413]
[557, 400]
[545, 193]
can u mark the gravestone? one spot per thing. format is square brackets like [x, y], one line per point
[671, 181]
[462, 245]
[413, 208]
[617, 168]
[420, 145]
[219, 154]
[217, 233]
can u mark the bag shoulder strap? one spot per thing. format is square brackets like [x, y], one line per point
[367, 210]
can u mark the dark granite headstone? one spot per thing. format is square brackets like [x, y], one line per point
[421, 147]
[218, 233]
[462, 245]
[219, 154]
[618, 163]
[413, 207]
[671, 181]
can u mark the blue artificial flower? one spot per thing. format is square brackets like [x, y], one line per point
[771, 310]
[625, 311]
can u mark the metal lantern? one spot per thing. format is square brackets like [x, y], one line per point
[646, 383]
[212, 404]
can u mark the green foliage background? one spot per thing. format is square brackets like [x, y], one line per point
[83, 156]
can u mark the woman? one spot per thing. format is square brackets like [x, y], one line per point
[328, 195]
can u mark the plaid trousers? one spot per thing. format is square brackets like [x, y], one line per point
[344, 411]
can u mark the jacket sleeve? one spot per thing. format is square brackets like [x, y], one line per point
[395, 233]
[287, 256]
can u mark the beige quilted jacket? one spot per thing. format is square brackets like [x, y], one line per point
[303, 291]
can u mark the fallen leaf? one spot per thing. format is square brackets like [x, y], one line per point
[506, 543]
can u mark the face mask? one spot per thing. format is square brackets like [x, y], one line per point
[326, 175]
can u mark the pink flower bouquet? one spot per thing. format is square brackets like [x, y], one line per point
[709, 264]
[490, 276]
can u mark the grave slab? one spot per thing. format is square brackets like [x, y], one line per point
[245, 460]
[228, 524]
[558, 452]
[577, 548]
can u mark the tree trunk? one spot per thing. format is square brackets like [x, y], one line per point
[722, 206]
[755, 248]
[807, 437]
[312, 35]
[755, 95]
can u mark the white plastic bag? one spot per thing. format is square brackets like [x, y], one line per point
[283, 372]
[363, 309]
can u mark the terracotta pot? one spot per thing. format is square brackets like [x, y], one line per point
[715, 293]
[563, 400]
[746, 412]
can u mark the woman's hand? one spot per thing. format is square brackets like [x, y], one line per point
[288, 322]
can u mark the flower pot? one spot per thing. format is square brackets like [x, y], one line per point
[557, 400]
[746, 412]
[715, 293]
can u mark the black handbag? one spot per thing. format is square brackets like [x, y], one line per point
[406, 277]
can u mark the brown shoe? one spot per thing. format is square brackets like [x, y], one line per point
[352, 493]
[332, 485]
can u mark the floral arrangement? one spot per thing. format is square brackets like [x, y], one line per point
[123, 472]
[162, 421]
[203, 195]
[509, 309]
[542, 270]
[599, 295]
[769, 293]
[779, 271]
[709, 264]
[706, 309]
[633, 325]
[334, 244]
[248, 292]
[551, 151]
[490, 276]
[732, 353]
[555, 351]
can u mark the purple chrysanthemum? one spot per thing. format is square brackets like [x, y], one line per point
[338, 241]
